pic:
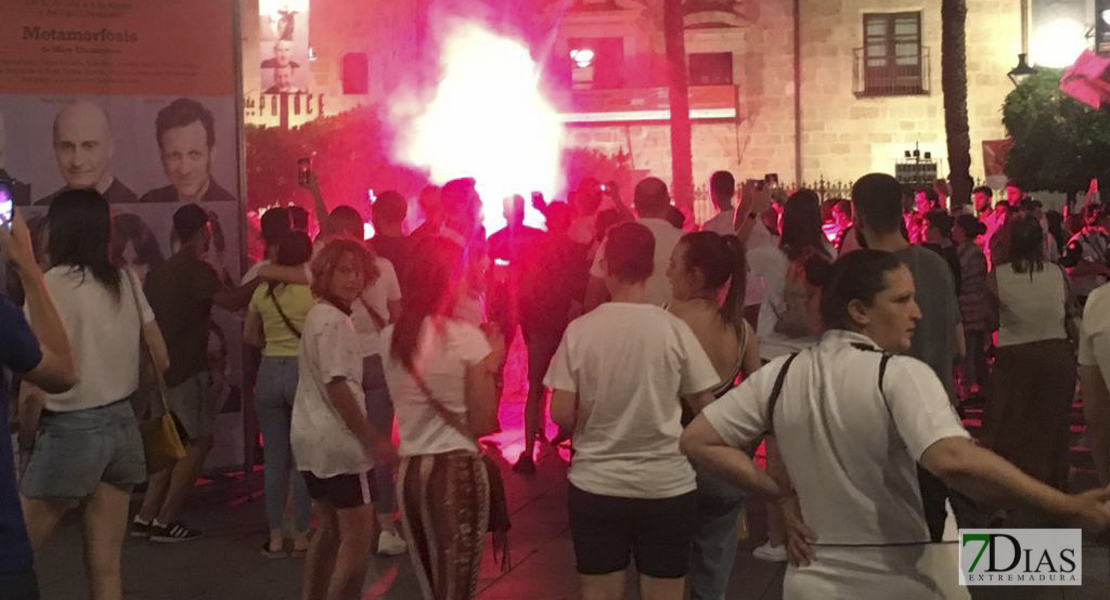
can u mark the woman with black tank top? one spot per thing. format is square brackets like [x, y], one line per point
[702, 265]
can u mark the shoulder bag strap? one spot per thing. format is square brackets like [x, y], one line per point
[144, 343]
[281, 312]
[455, 420]
[776, 391]
[378, 320]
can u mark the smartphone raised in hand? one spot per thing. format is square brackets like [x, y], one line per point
[7, 205]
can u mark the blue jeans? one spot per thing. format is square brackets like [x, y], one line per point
[715, 539]
[714, 553]
[273, 396]
[379, 410]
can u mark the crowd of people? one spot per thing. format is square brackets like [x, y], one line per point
[845, 337]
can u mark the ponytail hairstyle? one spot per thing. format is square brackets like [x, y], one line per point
[859, 275]
[720, 259]
[432, 287]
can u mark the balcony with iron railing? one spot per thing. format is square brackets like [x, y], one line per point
[889, 76]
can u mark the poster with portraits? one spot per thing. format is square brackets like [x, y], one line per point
[283, 46]
[137, 100]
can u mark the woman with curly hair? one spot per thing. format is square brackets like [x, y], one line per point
[334, 445]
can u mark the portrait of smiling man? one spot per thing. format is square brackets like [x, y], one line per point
[83, 146]
[186, 136]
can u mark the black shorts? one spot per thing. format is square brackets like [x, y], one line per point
[608, 531]
[342, 491]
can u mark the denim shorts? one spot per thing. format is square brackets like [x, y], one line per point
[74, 451]
[194, 405]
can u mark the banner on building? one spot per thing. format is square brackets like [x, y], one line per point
[283, 46]
[139, 101]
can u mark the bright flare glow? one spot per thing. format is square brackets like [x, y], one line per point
[487, 120]
[1058, 44]
[582, 57]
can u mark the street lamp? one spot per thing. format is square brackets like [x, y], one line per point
[1022, 71]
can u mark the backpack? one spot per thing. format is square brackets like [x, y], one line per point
[797, 318]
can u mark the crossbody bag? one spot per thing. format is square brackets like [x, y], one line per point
[499, 522]
[162, 439]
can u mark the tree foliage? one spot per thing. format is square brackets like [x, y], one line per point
[351, 153]
[1059, 143]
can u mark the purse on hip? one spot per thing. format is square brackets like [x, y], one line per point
[162, 441]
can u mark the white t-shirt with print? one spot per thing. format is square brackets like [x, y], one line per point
[447, 348]
[628, 365]
[666, 238]
[377, 297]
[104, 333]
[851, 450]
[322, 443]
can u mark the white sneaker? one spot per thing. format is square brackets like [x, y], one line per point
[391, 544]
[770, 553]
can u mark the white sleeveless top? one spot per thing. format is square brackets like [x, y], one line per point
[1031, 305]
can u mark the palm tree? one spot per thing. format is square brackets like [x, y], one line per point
[953, 81]
[682, 159]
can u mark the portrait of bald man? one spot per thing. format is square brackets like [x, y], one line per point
[83, 146]
[186, 135]
[20, 191]
[283, 56]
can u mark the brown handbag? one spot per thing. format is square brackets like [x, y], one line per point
[162, 442]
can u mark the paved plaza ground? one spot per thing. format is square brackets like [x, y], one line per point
[226, 563]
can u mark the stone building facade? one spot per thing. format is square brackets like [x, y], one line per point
[844, 130]
[828, 123]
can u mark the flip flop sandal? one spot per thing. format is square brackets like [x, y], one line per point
[268, 553]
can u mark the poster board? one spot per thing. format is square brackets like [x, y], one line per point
[139, 100]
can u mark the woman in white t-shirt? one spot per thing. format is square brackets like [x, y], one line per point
[441, 376]
[617, 378]
[1033, 380]
[785, 325]
[853, 421]
[88, 450]
[334, 445]
[702, 264]
[780, 330]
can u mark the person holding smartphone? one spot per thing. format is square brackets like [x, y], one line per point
[37, 348]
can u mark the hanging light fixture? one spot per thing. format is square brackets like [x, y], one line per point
[1022, 71]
